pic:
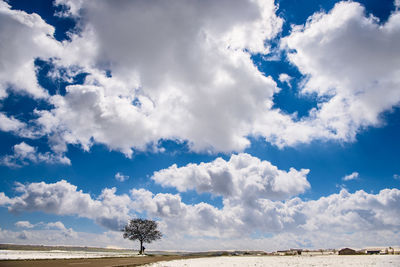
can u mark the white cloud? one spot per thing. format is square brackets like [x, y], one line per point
[279, 241]
[120, 177]
[28, 37]
[195, 81]
[24, 224]
[26, 235]
[351, 59]
[24, 153]
[70, 8]
[58, 237]
[349, 219]
[285, 78]
[17, 127]
[56, 225]
[173, 104]
[10, 124]
[352, 176]
[243, 177]
[62, 198]
[396, 176]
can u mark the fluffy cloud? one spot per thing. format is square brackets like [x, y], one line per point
[10, 124]
[24, 153]
[25, 235]
[28, 37]
[350, 59]
[355, 219]
[158, 82]
[352, 176]
[120, 177]
[62, 198]
[67, 237]
[195, 81]
[252, 191]
[56, 225]
[276, 242]
[285, 78]
[24, 224]
[354, 212]
[337, 214]
[243, 177]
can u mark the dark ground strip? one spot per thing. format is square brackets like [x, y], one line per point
[102, 262]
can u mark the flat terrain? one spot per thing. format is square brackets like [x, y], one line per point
[243, 261]
[288, 261]
[103, 262]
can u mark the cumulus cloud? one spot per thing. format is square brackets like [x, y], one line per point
[349, 218]
[24, 153]
[354, 212]
[158, 82]
[252, 202]
[24, 224]
[213, 98]
[17, 127]
[10, 124]
[243, 176]
[24, 235]
[70, 8]
[349, 58]
[285, 78]
[29, 234]
[120, 177]
[56, 237]
[337, 214]
[50, 225]
[62, 198]
[352, 176]
[57, 225]
[28, 37]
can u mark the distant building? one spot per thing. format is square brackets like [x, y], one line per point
[378, 250]
[318, 252]
[347, 251]
[297, 251]
[290, 252]
[372, 251]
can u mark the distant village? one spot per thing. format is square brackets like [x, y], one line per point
[343, 251]
[303, 252]
[309, 252]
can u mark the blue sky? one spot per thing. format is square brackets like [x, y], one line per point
[257, 124]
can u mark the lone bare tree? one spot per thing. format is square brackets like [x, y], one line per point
[143, 230]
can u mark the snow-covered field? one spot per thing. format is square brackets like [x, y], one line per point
[58, 254]
[334, 260]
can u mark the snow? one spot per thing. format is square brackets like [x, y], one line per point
[303, 261]
[58, 254]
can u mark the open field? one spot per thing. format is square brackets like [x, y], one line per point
[223, 261]
[278, 261]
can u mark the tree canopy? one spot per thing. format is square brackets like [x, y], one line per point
[143, 230]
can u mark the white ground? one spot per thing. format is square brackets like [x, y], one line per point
[303, 261]
[58, 254]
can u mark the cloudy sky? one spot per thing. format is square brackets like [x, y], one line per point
[236, 124]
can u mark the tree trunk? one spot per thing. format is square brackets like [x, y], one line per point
[141, 247]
